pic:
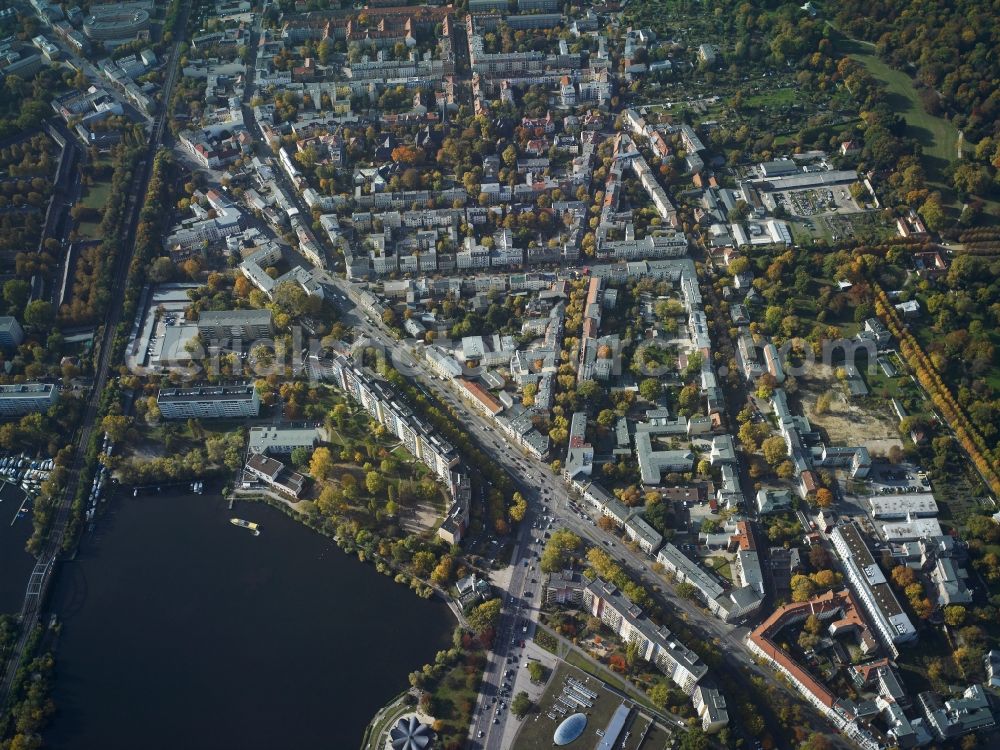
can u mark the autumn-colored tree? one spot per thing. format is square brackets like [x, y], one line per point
[116, 426]
[607, 523]
[321, 464]
[954, 615]
[775, 450]
[518, 508]
[824, 498]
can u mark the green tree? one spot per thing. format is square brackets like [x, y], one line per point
[650, 389]
[373, 482]
[15, 294]
[521, 705]
[558, 549]
[954, 615]
[39, 314]
[485, 616]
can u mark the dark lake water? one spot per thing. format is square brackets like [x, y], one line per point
[181, 630]
[15, 563]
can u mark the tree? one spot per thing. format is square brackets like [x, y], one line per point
[373, 482]
[484, 616]
[694, 739]
[560, 546]
[300, 457]
[817, 741]
[16, 293]
[536, 671]
[803, 589]
[606, 523]
[39, 314]
[686, 590]
[321, 464]
[521, 705]
[518, 508]
[824, 498]
[954, 615]
[650, 389]
[775, 450]
[606, 418]
[116, 426]
[161, 270]
[823, 402]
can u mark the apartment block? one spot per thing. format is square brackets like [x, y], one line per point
[869, 584]
[711, 707]
[656, 645]
[26, 398]
[209, 402]
[11, 333]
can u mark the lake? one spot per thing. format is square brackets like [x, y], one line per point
[15, 563]
[183, 630]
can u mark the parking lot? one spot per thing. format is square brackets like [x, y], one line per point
[897, 479]
[816, 201]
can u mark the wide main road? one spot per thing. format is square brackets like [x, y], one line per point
[41, 577]
[547, 495]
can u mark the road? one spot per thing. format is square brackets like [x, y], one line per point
[41, 577]
[547, 496]
[549, 503]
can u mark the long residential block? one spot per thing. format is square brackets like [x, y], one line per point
[209, 402]
[656, 645]
[870, 586]
[26, 398]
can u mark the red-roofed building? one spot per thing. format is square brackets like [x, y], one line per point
[479, 398]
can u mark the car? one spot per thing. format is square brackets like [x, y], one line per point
[480, 735]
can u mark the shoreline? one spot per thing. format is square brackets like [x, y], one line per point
[288, 507]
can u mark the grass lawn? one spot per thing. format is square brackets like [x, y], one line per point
[774, 98]
[577, 659]
[938, 137]
[97, 195]
[89, 230]
[454, 698]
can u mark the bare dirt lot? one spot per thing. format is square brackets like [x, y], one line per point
[867, 421]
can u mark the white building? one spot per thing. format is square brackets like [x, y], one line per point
[209, 402]
[26, 398]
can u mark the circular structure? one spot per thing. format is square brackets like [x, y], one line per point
[410, 734]
[118, 23]
[570, 729]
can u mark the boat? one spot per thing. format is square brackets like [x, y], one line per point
[254, 528]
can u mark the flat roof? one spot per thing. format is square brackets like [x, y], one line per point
[920, 503]
[25, 390]
[208, 393]
[917, 528]
[265, 437]
[234, 317]
[614, 728]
